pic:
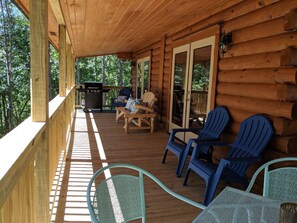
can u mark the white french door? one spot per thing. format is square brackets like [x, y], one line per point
[143, 76]
[192, 85]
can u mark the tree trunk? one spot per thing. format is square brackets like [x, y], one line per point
[120, 77]
[103, 69]
[95, 68]
[49, 73]
[8, 57]
[4, 109]
[77, 72]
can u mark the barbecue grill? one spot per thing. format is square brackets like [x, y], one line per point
[93, 95]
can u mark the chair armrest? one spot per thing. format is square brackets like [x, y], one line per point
[176, 130]
[194, 130]
[211, 142]
[244, 160]
[138, 115]
[143, 107]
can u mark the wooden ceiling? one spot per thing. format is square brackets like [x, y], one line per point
[98, 27]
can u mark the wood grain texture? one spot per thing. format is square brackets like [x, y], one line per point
[95, 134]
[39, 60]
[62, 60]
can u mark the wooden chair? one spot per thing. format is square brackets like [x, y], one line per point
[142, 116]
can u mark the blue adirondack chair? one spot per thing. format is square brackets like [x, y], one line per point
[124, 94]
[215, 124]
[254, 135]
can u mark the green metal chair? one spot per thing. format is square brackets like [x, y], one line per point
[279, 183]
[120, 198]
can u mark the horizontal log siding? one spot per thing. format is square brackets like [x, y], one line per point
[251, 78]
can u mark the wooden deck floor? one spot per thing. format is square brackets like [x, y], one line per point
[96, 140]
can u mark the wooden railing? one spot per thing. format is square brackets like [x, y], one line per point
[19, 157]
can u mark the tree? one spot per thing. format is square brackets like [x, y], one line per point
[53, 72]
[14, 67]
[106, 69]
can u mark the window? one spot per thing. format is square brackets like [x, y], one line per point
[143, 76]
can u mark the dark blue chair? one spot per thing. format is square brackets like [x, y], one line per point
[254, 135]
[123, 94]
[215, 124]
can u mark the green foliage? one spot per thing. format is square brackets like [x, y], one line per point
[200, 77]
[90, 69]
[15, 68]
[14, 48]
[54, 72]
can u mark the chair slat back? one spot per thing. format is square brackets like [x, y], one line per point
[215, 124]
[119, 199]
[149, 98]
[282, 184]
[125, 92]
[254, 135]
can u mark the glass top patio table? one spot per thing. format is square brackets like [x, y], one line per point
[233, 205]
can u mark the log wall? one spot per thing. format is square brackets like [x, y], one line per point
[258, 74]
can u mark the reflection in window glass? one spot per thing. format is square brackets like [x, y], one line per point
[146, 76]
[199, 88]
[139, 79]
[180, 66]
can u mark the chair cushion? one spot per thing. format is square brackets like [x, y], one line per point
[129, 103]
[133, 109]
[121, 99]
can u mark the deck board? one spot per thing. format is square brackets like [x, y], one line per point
[97, 140]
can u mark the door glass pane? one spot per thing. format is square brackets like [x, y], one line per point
[199, 89]
[139, 79]
[146, 76]
[180, 66]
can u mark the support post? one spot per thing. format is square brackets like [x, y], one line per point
[62, 60]
[69, 66]
[39, 103]
[161, 75]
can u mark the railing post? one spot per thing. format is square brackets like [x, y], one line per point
[40, 105]
[69, 65]
[62, 61]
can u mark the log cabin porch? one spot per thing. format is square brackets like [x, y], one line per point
[96, 141]
[257, 74]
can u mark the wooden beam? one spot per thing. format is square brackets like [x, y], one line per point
[124, 55]
[73, 70]
[39, 60]
[290, 21]
[62, 59]
[69, 64]
[41, 181]
[39, 80]
[55, 5]
[161, 71]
